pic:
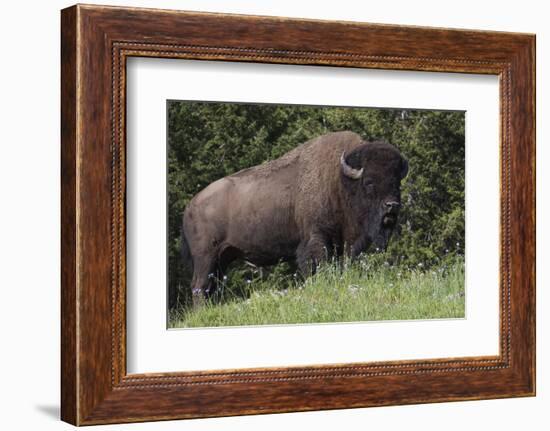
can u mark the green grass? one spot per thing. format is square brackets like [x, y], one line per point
[355, 292]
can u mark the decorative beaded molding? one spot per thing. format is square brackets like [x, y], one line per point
[123, 49]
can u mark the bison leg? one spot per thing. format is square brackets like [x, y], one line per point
[311, 253]
[203, 279]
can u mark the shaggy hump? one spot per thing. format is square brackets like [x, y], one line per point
[302, 152]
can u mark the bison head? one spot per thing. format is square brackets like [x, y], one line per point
[371, 175]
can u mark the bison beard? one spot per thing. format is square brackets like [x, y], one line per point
[333, 194]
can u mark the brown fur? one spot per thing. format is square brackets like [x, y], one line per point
[300, 206]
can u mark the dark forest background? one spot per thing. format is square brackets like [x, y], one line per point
[207, 141]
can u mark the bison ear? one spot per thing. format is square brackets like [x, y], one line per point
[404, 168]
[347, 170]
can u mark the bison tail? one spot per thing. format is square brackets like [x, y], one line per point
[186, 253]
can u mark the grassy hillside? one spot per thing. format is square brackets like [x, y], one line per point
[358, 291]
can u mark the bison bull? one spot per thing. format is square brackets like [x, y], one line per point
[333, 194]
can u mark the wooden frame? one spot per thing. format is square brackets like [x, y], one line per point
[95, 42]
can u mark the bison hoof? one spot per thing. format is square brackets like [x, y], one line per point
[198, 299]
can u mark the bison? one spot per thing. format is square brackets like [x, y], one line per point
[334, 194]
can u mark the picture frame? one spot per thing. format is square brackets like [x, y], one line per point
[96, 42]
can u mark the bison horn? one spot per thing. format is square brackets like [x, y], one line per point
[348, 171]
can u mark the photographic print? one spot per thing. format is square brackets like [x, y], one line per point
[295, 214]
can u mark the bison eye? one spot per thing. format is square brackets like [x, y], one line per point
[369, 186]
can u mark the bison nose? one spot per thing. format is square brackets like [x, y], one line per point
[392, 206]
